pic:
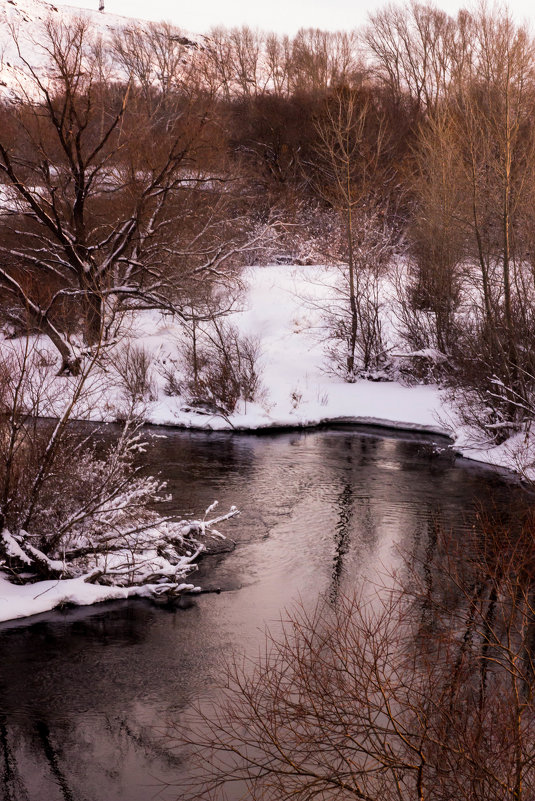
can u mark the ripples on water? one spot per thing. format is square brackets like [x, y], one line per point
[85, 695]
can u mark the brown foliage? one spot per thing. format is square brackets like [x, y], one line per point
[423, 692]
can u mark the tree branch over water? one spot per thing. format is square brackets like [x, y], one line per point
[408, 693]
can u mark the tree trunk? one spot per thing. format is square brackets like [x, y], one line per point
[93, 318]
[352, 344]
[70, 362]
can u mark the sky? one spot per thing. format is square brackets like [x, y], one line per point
[282, 16]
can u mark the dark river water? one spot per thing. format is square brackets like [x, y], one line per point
[87, 695]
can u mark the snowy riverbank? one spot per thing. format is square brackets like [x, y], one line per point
[280, 309]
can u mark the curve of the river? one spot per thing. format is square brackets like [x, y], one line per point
[86, 694]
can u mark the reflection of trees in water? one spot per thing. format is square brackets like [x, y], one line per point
[434, 526]
[12, 781]
[355, 526]
[149, 742]
[357, 499]
[53, 760]
[34, 754]
[351, 533]
[426, 694]
[55, 691]
[342, 536]
[81, 701]
[480, 612]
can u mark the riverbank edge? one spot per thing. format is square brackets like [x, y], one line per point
[54, 595]
[439, 436]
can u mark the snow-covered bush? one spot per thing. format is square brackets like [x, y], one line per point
[365, 328]
[222, 366]
[133, 366]
[71, 505]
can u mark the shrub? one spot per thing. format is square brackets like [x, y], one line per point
[222, 367]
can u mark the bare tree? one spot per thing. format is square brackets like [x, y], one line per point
[432, 290]
[373, 251]
[421, 693]
[102, 158]
[413, 51]
[351, 144]
[321, 60]
[278, 58]
[483, 136]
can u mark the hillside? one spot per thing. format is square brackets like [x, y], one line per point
[22, 20]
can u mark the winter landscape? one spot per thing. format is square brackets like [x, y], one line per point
[267, 357]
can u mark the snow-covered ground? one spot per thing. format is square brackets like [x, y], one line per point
[21, 21]
[282, 308]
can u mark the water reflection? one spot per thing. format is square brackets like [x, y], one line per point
[85, 696]
[342, 537]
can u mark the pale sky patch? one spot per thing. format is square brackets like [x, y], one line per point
[283, 16]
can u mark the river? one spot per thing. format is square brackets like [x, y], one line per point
[86, 695]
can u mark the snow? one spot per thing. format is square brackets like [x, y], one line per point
[26, 17]
[32, 599]
[281, 309]
[18, 601]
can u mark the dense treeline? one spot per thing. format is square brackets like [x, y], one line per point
[143, 171]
